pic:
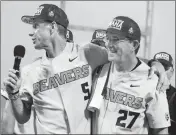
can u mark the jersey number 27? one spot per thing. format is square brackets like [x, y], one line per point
[124, 117]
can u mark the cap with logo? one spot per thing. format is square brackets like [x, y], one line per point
[98, 37]
[125, 27]
[48, 12]
[98, 34]
[164, 58]
[69, 36]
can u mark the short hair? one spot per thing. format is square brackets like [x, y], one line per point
[137, 49]
[62, 30]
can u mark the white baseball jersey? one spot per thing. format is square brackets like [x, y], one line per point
[59, 89]
[132, 103]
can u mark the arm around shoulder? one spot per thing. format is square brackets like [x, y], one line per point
[95, 55]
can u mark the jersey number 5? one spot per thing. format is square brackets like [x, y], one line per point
[124, 117]
[85, 90]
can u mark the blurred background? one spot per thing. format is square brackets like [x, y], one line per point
[155, 18]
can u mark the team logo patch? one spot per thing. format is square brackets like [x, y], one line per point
[68, 34]
[130, 31]
[167, 116]
[39, 10]
[116, 24]
[51, 14]
[100, 35]
[162, 56]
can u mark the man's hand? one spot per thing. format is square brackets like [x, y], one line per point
[158, 69]
[12, 82]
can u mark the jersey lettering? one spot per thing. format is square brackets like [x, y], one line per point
[123, 98]
[62, 78]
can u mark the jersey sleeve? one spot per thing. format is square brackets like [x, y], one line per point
[4, 93]
[157, 111]
[95, 55]
[24, 90]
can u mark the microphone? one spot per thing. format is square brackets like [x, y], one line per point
[19, 52]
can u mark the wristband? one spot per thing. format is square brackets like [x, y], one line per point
[14, 96]
[15, 92]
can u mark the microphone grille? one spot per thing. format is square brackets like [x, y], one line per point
[19, 50]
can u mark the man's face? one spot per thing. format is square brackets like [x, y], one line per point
[118, 49]
[41, 34]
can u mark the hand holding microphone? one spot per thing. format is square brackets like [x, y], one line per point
[12, 83]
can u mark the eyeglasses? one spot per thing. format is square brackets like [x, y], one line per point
[114, 40]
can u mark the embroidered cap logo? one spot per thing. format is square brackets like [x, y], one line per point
[100, 34]
[162, 56]
[51, 14]
[130, 31]
[39, 10]
[67, 35]
[116, 24]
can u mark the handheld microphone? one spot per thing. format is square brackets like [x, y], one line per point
[19, 52]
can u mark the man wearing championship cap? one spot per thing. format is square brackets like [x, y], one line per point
[57, 84]
[166, 60]
[127, 101]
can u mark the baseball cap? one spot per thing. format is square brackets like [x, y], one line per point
[125, 27]
[48, 12]
[69, 36]
[164, 58]
[98, 34]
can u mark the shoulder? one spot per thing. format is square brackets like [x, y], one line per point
[37, 59]
[27, 68]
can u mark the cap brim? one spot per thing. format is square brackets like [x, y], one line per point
[116, 32]
[95, 40]
[165, 62]
[28, 19]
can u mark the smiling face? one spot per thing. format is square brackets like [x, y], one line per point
[41, 35]
[119, 50]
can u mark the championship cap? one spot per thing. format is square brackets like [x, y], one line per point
[50, 13]
[69, 36]
[164, 58]
[125, 27]
[98, 34]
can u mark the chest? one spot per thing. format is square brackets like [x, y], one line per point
[65, 74]
[127, 90]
